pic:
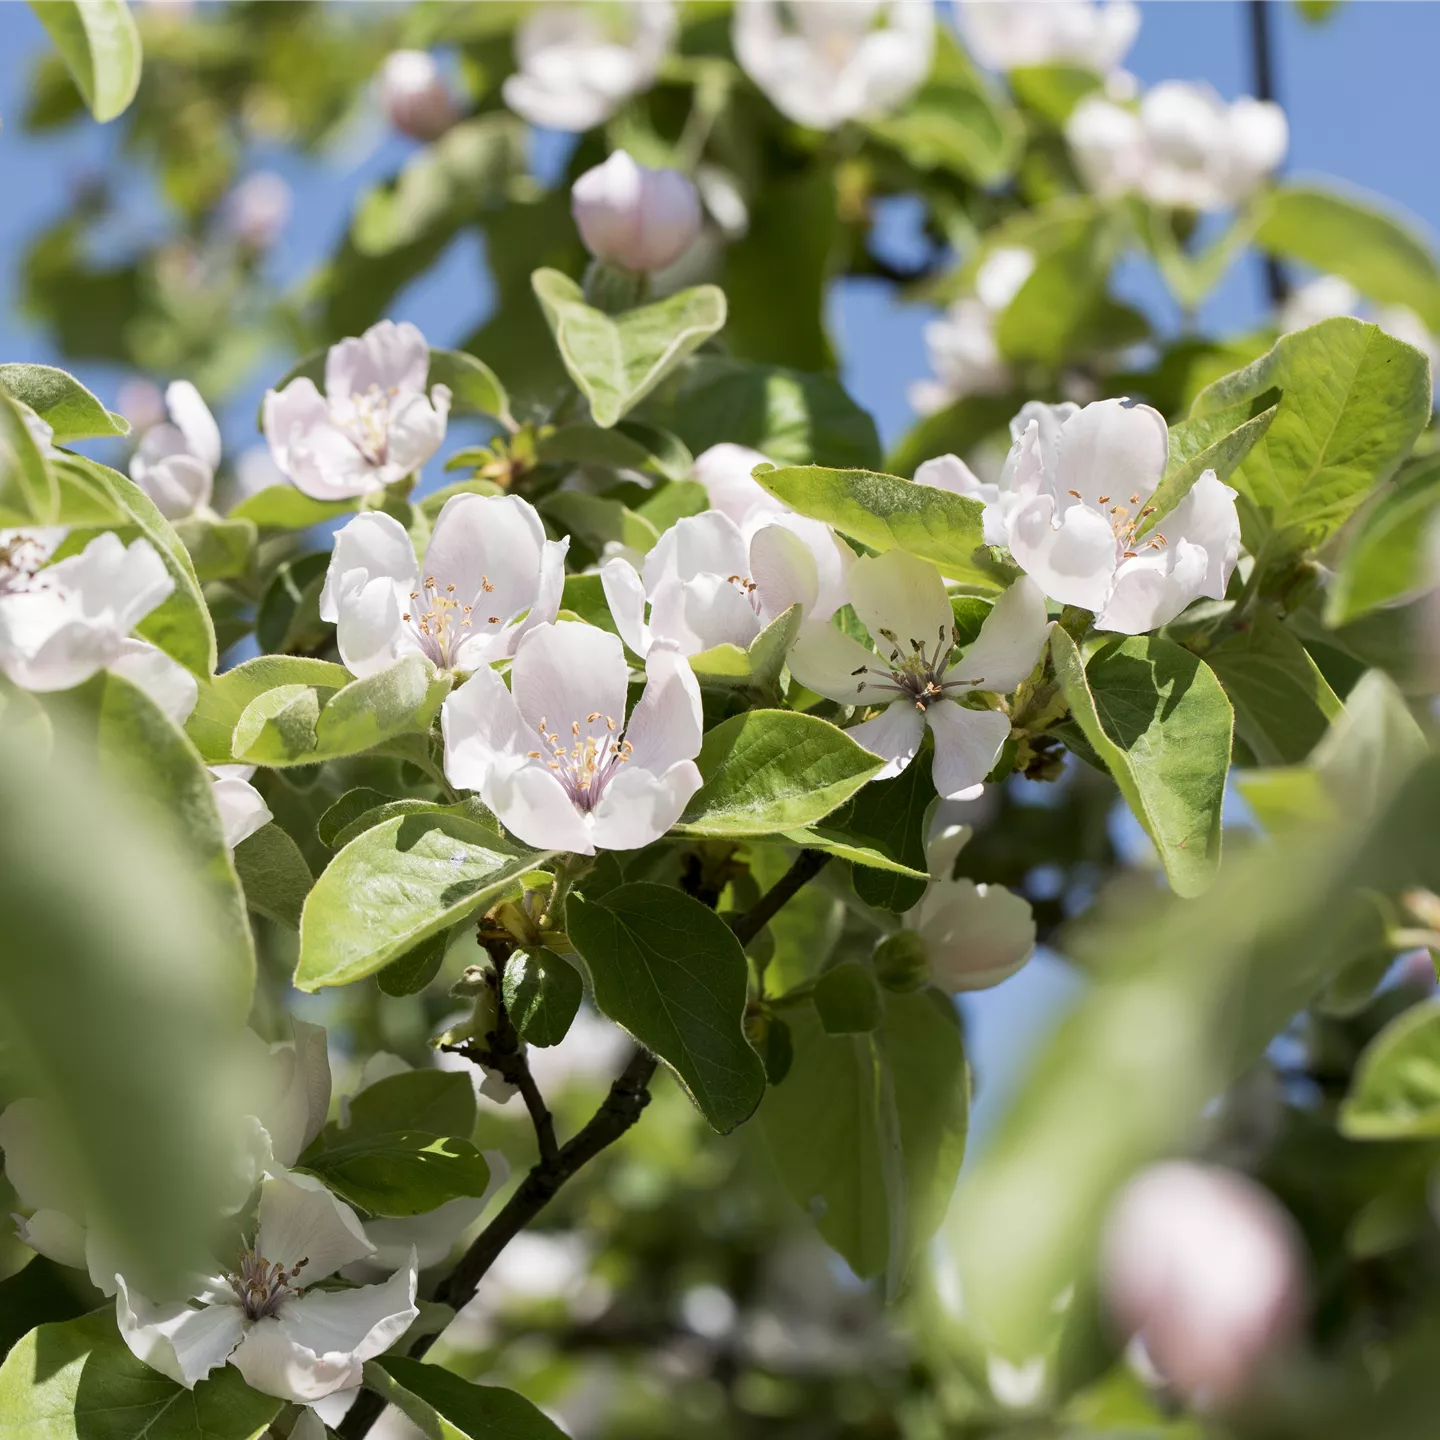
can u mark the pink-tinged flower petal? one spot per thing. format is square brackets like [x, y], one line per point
[725, 472]
[376, 544]
[388, 356]
[301, 1220]
[706, 544]
[1110, 449]
[1073, 562]
[195, 422]
[1009, 642]
[563, 673]
[533, 805]
[625, 595]
[167, 682]
[178, 483]
[833, 664]
[177, 1340]
[833, 559]
[481, 541]
[417, 428]
[1153, 588]
[639, 806]
[950, 472]
[1207, 517]
[975, 935]
[371, 634]
[666, 725]
[242, 809]
[895, 735]
[481, 726]
[897, 593]
[967, 745]
[783, 570]
[699, 613]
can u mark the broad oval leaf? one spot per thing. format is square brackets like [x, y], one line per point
[397, 884]
[475, 389]
[1395, 1091]
[542, 994]
[886, 513]
[62, 402]
[671, 972]
[224, 698]
[401, 1173]
[283, 507]
[441, 1102]
[772, 770]
[100, 46]
[445, 1406]
[78, 1381]
[617, 360]
[273, 874]
[1159, 720]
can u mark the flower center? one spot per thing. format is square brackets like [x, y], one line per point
[21, 556]
[746, 586]
[364, 419]
[437, 629]
[584, 762]
[918, 674]
[261, 1286]
[1125, 520]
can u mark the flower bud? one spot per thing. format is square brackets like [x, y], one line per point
[1205, 1269]
[636, 218]
[902, 961]
[257, 210]
[416, 100]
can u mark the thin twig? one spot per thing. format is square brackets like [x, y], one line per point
[1277, 282]
[808, 864]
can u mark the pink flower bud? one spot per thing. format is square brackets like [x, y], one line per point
[635, 218]
[257, 210]
[416, 99]
[1206, 1270]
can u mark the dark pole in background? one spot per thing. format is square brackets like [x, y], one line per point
[1277, 283]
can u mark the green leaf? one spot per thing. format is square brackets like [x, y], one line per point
[141, 744]
[1159, 719]
[403, 1172]
[618, 360]
[397, 884]
[672, 973]
[1351, 236]
[100, 46]
[868, 1131]
[225, 698]
[289, 615]
[349, 807]
[769, 770]
[218, 549]
[542, 994]
[475, 389]
[1283, 704]
[1218, 442]
[29, 491]
[440, 1102]
[626, 447]
[1384, 561]
[79, 1381]
[794, 417]
[598, 519]
[960, 125]
[273, 874]
[847, 1000]
[283, 507]
[889, 816]
[42, 1293]
[886, 513]
[1354, 401]
[843, 847]
[415, 969]
[757, 667]
[445, 1407]
[584, 598]
[301, 725]
[1052, 91]
[181, 626]
[62, 402]
[1395, 1091]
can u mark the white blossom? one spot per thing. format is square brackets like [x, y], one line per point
[489, 576]
[1205, 1269]
[836, 60]
[374, 425]
[963, 345]
[903, 604]
[706, 585]
[242, 808]
[414, 95]
[61, 624]
[258, 209]
[266, 1317]
[1079, 529]
[1014, 34]
[974, 936]
[1326, 297]
[577, 64]
[1184, 149]
[633, 217]
[554, 757]
[176, 461]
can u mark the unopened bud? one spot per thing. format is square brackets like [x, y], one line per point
[257, 210]
[1205, 1269]
[416, 100]
[902, 962]
[639, 219]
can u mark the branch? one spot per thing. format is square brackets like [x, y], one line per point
[1277, 282]
[808, 864]
[628, 1097]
